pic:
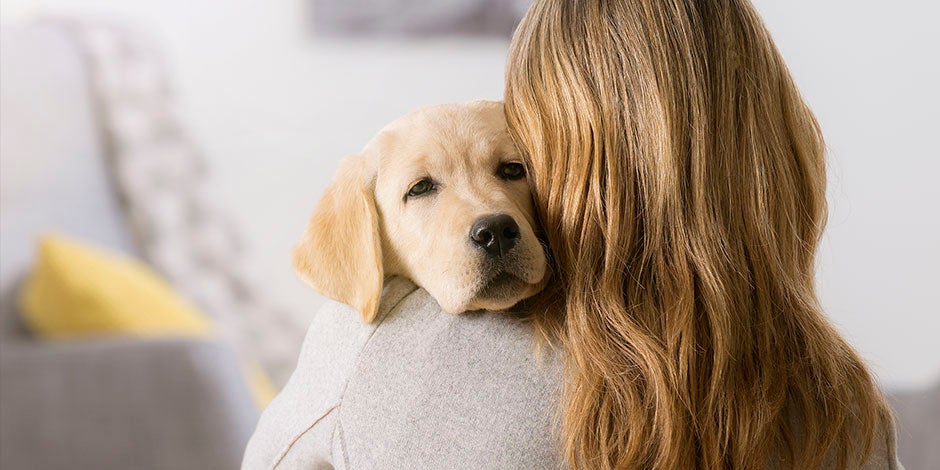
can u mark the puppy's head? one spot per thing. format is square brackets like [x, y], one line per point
[439, 196]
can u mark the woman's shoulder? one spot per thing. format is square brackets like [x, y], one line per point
[305, 409]
[410, 324]
[417, 385]
[451, 391]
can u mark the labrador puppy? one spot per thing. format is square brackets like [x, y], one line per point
[438, 196]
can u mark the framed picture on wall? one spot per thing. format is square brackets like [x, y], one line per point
[417, 18]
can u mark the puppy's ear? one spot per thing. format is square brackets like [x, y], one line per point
[340, 254]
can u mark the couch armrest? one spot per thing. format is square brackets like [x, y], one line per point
[123, 403]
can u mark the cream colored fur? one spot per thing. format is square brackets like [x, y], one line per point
[365, 227]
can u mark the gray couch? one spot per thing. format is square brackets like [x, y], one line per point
[122, 404]
[91, 403]
[917, 414]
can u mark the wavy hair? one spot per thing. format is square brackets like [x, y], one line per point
[680, 182]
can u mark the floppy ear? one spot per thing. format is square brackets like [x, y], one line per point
[340, 254]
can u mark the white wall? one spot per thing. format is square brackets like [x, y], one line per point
[275, 109]
[870, 70]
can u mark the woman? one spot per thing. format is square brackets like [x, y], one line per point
[680, 182]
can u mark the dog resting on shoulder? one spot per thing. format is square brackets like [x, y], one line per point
[439, 196]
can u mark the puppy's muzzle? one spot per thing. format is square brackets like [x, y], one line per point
[495, 234]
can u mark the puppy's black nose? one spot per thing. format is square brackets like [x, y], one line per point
[496, 234]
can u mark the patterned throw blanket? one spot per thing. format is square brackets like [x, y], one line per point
[160, 179]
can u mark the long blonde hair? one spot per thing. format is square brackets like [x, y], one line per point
[680, 182]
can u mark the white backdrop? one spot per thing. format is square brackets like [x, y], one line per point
[276, 108]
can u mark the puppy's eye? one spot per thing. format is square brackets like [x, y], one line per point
[420, 188]
[511, 171]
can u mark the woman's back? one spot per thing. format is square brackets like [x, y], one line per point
[420, 388]
[416, 389]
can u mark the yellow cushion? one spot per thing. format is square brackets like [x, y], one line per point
[77, 289]
[260, 385]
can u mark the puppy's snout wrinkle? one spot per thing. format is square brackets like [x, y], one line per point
[495, 234]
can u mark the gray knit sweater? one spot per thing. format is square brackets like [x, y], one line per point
[420, 388]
